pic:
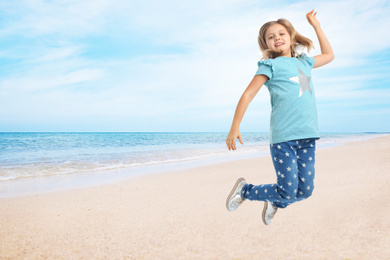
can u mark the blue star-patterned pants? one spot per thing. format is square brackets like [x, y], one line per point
[294, 166]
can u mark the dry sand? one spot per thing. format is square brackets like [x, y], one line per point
[182, 214]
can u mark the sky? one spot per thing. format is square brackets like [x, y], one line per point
[126, 65]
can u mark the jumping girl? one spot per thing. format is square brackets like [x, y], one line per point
[294, 127]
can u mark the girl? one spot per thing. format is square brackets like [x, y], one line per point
[294, 127]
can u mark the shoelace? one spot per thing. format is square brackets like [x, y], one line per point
[272, 214]
[237, 199]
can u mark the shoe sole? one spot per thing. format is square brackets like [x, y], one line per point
[264, 210]
[231, 193]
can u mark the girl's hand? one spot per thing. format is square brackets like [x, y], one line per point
[311, 18]
[231, 139]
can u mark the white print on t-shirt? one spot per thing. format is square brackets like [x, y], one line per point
[303, 81]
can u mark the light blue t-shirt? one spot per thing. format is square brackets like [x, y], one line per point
[294, 110]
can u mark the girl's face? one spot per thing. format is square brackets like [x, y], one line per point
[278, 40]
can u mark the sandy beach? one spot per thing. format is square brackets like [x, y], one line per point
[182, 214]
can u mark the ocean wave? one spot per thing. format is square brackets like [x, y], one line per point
[48, 154]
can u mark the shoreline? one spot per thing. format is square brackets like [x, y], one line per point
[182, 214]
[42, 184]
[44, 154]
[28, 186]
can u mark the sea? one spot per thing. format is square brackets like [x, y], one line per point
[28, 156]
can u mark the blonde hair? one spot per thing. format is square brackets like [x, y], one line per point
[297, 40]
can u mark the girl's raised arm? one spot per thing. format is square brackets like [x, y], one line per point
[326, 55]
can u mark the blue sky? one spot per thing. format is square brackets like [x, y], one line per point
[123, 65]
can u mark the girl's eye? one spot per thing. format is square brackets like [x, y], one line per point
[270, 38]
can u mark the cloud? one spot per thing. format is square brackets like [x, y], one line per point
[33, 18]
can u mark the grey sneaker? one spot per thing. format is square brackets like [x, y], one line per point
[234, 200]
[269, 212]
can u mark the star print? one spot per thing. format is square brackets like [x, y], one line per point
[278, 172]
[256, 192]
[288, 169]
[287, 154]
[280, 161]
[290, 183]
[293, 160]
[295, 176]
[279, 147]
[310, 159]
[303, 179]
[301, 192]
[265, 191]
[304, 165]
[275, 159]
[308, 188]
[305, 151]
[281, 175]
[288, 197]
[302, 80]
[309, 173]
